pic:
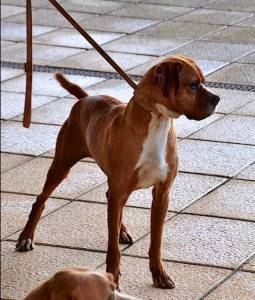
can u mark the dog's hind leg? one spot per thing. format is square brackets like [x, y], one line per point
[117, 198]
[125, 237]
[68, 152]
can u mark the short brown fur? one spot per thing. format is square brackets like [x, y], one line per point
[114, 134]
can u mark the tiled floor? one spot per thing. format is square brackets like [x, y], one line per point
[209, 246]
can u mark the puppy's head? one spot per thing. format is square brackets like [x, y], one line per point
[176, 87]
[84, 284]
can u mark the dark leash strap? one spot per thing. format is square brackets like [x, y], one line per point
[28, 68]
[29, 63]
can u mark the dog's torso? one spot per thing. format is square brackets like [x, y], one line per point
[126, 140]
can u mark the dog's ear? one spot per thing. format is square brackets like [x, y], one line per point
[166, 75]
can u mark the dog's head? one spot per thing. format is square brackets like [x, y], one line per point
[175, 87]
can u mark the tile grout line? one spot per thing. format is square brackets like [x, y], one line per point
[112, 75]
[217, 216]
[168, 260]
[217, 141]
[222, 281]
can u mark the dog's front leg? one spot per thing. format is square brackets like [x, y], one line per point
[116, 202]
[158, 213]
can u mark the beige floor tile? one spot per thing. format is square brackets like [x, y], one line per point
[24, 271]
[241, 35]
[208, 50]
[91, 60]
[230, 100]
[12, 104]
[185, 127]
[186, 189]
[240, 286]
[46, 84]
[150, 11]
[141, 69]
[206, 66]
[214, 157]
[36, 3]
[250, 266]
[179, 30]
[72, 38]
[37, 139]
[116, 24]
[92, 6]
[190, 3]
[235, 199]
[249, 59]
[30, 177]
[17, 32]
[55, 112]
[245, 5]
[10, 10]
[85, 226]
[250, 22]
[236, 73]
[50, 17]
[247, 110]
[15, 209]
[232, 128]
[43, 54]
[205, 240]
[6, 44]
[10, 161]
[8, 73]
[213, 16]
[248, 173]
[145, 45]
[191, 281]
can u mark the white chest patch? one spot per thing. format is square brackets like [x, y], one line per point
[152, 166]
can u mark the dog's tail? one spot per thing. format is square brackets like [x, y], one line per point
[72, 88]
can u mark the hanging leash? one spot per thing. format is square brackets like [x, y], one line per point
[29, 64]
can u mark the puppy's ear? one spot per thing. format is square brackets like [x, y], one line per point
[166, 75]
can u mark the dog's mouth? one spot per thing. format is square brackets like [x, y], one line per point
[208, 113]
[206, 108]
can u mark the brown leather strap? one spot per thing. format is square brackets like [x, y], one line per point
[93, 43]
[28, 68]
[29, 64]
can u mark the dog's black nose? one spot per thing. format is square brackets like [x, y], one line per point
[215, 99]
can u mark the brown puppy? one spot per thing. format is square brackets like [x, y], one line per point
[78, 284]
[134, 145]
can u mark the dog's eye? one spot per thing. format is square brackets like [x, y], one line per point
[194, 85]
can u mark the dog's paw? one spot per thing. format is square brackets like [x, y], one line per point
[162, 281]
[25, 244]
[126, 237]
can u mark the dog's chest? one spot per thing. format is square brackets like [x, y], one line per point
[152, 166]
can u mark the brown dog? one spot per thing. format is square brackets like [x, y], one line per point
[78, 284]
[134, 145]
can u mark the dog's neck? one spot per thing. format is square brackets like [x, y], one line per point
[147, 105]
[139, 115]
